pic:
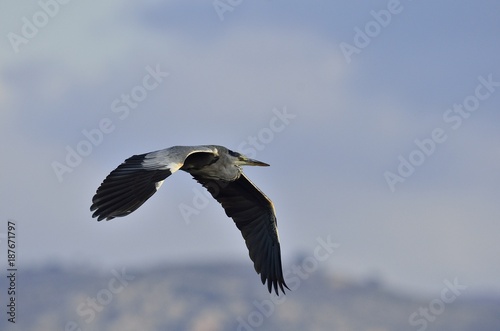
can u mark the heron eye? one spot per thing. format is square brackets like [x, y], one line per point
[233, 153]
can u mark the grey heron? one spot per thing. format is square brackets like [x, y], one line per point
[218, 169]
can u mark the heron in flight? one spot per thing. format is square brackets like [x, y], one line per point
[218, 169]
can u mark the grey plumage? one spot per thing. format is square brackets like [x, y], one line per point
[218, 169]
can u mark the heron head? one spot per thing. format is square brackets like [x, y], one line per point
[242, 160]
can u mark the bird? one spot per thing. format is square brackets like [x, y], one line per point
[218, 169]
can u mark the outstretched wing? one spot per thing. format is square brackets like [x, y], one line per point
[254, 216]
[135, 180]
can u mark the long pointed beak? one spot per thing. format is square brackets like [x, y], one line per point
[251, 162]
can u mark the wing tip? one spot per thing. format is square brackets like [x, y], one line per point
[276, 284]
[100, 217]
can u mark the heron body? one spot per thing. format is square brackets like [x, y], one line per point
[218, 169]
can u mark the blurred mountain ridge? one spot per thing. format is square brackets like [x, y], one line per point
[228, 296]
